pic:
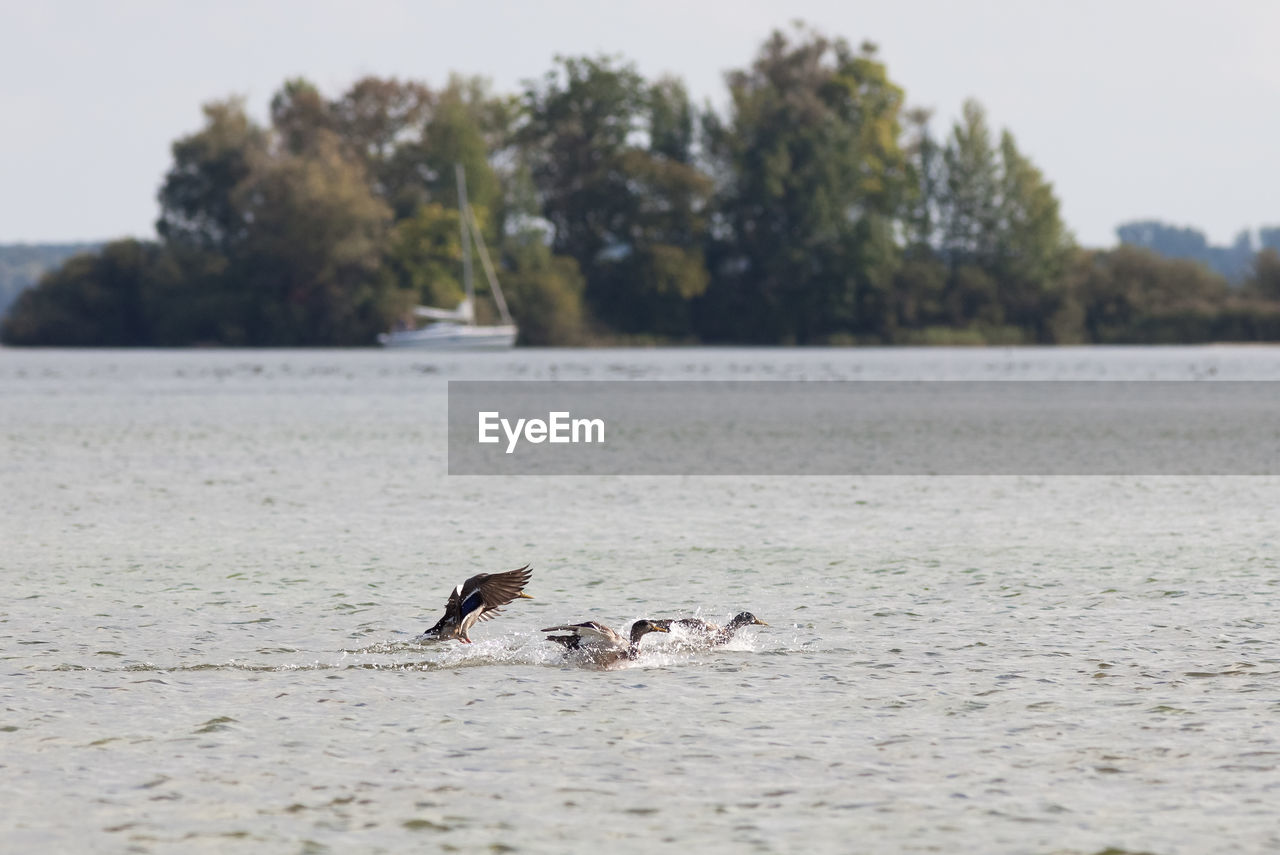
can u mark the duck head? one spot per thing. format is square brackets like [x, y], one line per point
[745, 619]
[642, 627]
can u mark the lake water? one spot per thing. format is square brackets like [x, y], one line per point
[214, 564]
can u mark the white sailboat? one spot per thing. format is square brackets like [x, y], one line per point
[456, 329]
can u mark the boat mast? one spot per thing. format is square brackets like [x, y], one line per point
[494, 287]
[464, 214]
[472, 224]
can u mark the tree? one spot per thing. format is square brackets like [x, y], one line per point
[811, 178]
[457, 134]
[310, 257]
[424, 257]
[971, 202]
[1131, 294]
[651, 287]
[379, 121]
[925, 178]
[1032, 246]
[580, 118]
[1264, 279]
[279, 233]
[987, 212]
[611, 158]
[197, 210]
[1175, 242]
[22, 265]
[301, 117]
[95, 299]
[404, 135]
[545, 293]
[671, 121]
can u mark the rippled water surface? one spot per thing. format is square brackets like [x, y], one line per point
[214, 564]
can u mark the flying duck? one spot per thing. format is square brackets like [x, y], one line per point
[479, 598]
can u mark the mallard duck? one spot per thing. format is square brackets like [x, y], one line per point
[702, 633]
[601, 644]
[479, 598]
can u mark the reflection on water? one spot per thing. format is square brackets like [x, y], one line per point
[214, 564]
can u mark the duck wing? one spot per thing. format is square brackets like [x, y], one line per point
[482, 596]
[571, 642]
[591, 631]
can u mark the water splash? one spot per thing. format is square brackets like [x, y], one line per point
[678, 649]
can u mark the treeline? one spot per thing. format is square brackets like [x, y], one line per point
[22, 265]
[817, 209]
[1234, 262]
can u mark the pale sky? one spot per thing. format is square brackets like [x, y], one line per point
[1132, 108]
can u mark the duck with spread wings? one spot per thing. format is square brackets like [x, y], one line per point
[479, 598]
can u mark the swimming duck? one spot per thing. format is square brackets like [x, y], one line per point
[479, 598]
[702, 633]
[602, 645]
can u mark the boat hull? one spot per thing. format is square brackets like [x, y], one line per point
[453, 337]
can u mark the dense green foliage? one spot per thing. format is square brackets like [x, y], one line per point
[812, 177]
[611, 159]
[817, 209]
